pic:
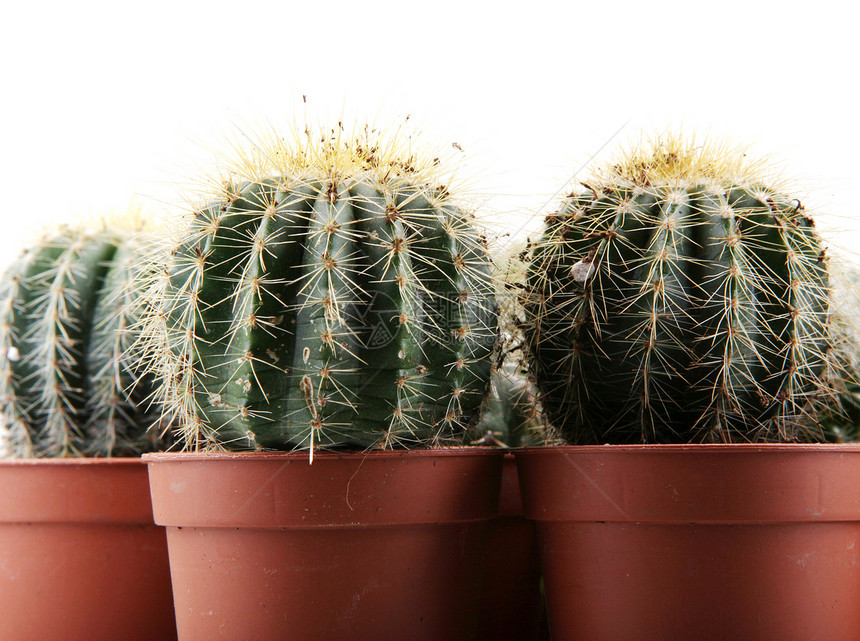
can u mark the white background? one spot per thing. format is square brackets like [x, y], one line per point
[104, 106]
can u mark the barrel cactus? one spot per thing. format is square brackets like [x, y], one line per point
[681, 297]
[331, 294]
[67, 386]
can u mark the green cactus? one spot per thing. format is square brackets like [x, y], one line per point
[331, 295]
[680, 298]
[836, 410]
[510, 414]
[67, 387]
[837, 413]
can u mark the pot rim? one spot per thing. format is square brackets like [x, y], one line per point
[75, 490]
[698, 483]
[72, 461]
[360, 489]
[692, 447]
[330, 455]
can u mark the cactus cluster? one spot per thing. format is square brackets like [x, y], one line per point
[681, 297]
[67, 387]
[330, 294]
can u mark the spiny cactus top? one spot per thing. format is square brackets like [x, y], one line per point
[331, 295]
[680, 297]
[66, 385]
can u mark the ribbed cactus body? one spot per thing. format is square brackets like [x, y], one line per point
[509, 414]
[66, 387]
[672, 302]
[325, 309]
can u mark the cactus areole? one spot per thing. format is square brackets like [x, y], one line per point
[331, 295]
[679, 298]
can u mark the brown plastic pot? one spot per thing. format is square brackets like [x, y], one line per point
[705, 542]
[378, 546]
[80, 556]
[512, 605]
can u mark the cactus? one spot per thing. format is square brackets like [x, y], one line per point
[680, 298]
[331, 295]
[67, 387]
[510, 415]
[836, 411]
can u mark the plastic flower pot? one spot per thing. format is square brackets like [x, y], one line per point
[80, 556]
[380, 545]
[706, 542]
[512, 605]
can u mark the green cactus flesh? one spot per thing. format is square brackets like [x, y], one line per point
[66, 387]
[509, 414]
[337, 309]
[672, 303]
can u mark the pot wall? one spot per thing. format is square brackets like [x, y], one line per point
[80, 556]
[512, 605]
[671, 543]
[380, 545]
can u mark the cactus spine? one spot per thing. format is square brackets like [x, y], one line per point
[67, 387]
[679, 298]
[331, 295]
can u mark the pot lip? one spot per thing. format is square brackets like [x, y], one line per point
[672, 448]
[299, 455]
[76, 491]
[118, 461]
[380, 488]
[695, 483]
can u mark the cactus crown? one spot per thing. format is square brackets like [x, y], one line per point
[67, 386]
[333, 154]
[680, 297]
[332, 294]
[675, 160]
